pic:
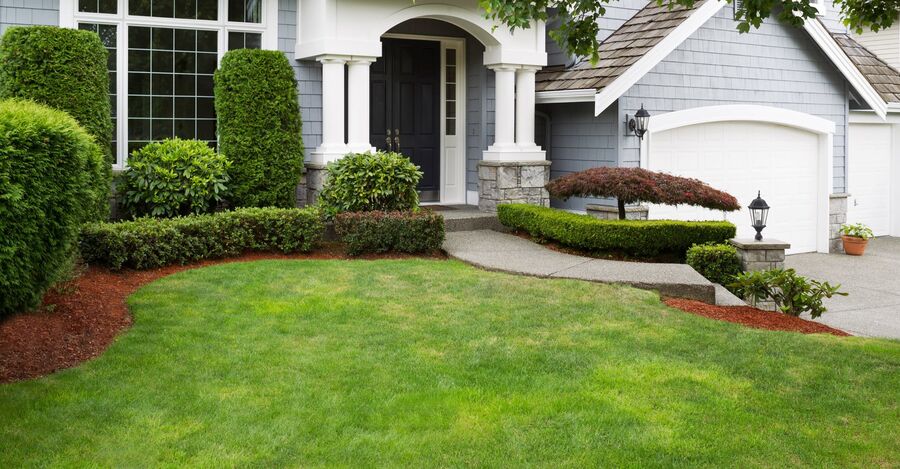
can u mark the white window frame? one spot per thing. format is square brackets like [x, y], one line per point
[70, 17]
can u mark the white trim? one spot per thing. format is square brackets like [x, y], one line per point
[471, 197]
[834, 52]
[660, 51]
[752, 113]
[868, 116]
[565, 96]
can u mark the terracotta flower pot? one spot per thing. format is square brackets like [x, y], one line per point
[854, 246]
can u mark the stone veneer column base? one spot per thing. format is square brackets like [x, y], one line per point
[315, 181]
[761, 255]
[505, 182]
[609, 212]
[837, 216]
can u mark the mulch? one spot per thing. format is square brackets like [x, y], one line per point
[80, 318]
[752, 317]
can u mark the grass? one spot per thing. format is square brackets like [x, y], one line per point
[432, 363]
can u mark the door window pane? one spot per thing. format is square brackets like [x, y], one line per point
[450, 91]
[174, 96]
[108, 33]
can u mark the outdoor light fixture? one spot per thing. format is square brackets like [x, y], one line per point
[759, 212]
[639, 124]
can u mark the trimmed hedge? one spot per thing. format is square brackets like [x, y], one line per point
[150, 242]
[362, 182]
[259, 127]
[66, 70]
[719, 263]
[633, 237]
[399, 231]
[46, 165]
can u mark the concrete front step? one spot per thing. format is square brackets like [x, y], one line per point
[468, 218]
[507, 253]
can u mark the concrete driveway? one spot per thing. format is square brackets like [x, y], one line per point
[873, 281]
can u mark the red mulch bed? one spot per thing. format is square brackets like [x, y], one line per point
[752, 317]
[80, 318]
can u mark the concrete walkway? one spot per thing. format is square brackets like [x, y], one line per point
[507, 253]
[873, 281]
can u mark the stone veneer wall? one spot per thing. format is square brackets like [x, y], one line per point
[608, 212]
[501, 182]
[837, 216]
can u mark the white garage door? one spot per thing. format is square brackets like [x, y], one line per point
[869, 177]
[742, 158]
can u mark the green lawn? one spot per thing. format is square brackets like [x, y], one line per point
[424, 363]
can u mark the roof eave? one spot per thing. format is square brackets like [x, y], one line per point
[565, 96]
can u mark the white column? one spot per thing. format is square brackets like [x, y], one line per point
[504, 108]
[358, 104]
[333, 144]
[525, 109]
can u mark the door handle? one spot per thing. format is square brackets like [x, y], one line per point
[388, 140]
[397, 139]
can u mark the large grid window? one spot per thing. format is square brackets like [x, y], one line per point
[163, 54]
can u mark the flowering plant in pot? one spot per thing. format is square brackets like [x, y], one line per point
[855, 237]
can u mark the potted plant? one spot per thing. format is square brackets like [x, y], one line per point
[855, 237]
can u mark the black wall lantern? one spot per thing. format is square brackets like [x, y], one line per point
[639, 124]
[759, 212]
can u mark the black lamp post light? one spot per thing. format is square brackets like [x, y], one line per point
[759, 213]
[639, 124]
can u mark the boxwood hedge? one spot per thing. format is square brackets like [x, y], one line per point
[633, 237]
[259, 127]
[46, 164]
[156, 242]
[64, 69]
[397, 231]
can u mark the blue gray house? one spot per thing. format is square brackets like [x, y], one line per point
[803, 115]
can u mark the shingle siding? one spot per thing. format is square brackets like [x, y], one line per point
[28, 12]
[775, 65]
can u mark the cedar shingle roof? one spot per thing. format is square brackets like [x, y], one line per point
[619, 51]
[884, 78]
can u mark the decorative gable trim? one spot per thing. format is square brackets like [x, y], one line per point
[660, 51]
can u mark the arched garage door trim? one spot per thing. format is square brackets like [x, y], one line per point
[823, 128]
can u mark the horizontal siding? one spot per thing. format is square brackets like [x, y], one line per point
[885, 44]
[28, 12]
[775, 65]
[308, 73]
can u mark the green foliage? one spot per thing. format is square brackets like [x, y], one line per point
[47, 161]
[146, 243]
[576, 21]
[793, 294]
[633, 237]
[174, 177]
[377, 231]
[361, 182]
[857, 230]
[719, 263]
[64, 69]
[259, 127]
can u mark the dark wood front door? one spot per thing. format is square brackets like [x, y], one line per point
[405, 107]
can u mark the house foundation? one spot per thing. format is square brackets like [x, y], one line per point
[609, 212]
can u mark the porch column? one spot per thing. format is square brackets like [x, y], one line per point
[525, 108]
[333, 144]
[358, 104]
[504, 107]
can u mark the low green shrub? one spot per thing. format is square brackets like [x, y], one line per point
[152, 242]
[362, 182]
[633, 237]
[65, 69]
[792, 294]
[173, 177]
[47, 162]
[378, 231]
[719, 263]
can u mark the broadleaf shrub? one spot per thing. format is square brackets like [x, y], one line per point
[640, 238]
[792, 294]
[719, 263]
[66, 70]
[174, 177]
[635, 185]
[259, 127]
[46, 164]
[156, 242]
[398, 231]
[361, 182]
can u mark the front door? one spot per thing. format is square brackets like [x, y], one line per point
[405, 107]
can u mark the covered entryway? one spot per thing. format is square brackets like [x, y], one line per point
[869, 177]
[745, 150]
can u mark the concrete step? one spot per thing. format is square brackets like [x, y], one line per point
[468, 218]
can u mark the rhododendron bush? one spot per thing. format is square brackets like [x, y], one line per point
[637, 185]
